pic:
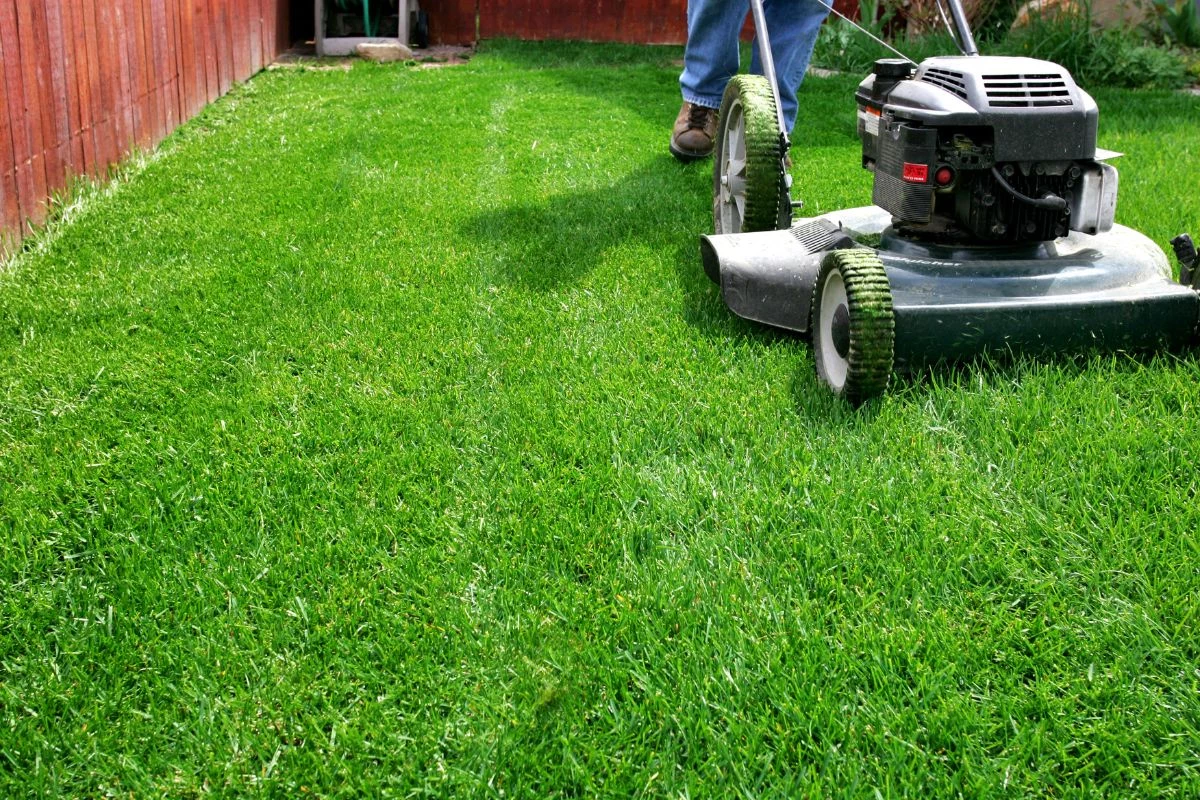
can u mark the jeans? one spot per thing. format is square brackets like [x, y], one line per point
[711, 56]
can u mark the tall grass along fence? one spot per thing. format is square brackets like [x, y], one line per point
[82, 82]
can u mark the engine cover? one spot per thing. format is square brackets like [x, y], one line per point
[984, 148]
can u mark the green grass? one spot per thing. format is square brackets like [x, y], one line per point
[383, 437]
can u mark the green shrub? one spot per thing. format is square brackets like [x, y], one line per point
[1177, 22]
[995, 23]
[1112, 57]
[842, 47]
[1120, 58]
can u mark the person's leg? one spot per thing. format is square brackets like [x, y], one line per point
[711, 56]
[793, 26]
[709, 61]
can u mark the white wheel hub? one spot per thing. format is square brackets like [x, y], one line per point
[733, 172]
[833, 297]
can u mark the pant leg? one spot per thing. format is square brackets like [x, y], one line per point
[793, 26]
[711, 56]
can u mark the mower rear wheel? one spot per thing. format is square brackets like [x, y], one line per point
[853, 327]
[749, 193]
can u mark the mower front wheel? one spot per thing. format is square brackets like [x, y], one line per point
[749, 189]
[853, 327]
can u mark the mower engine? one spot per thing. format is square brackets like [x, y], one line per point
[984, 149]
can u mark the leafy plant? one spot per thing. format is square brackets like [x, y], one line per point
[842, 47]
[1109, 57]
[1178, 22]
[1095, 57]
[923, 16]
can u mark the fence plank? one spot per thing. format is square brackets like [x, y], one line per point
[239, 31]
[20, 126]
[174, 60]
[156, 65]
[452, 22]
[193, 64]
[207, 47]
[193, 24]
[224, 46]
[61, 16]
[32, 160]
[10, 205]
[126, 120]
[119, 78]
[604, 23]
[55, 52]
[105, 88]
[141, 108]
[81, 133]
[112, 63]
[279, 38]
[254, 33]
[47, 102]
[175, 71]
[185, 63]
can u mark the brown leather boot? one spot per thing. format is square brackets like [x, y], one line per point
[694, 133]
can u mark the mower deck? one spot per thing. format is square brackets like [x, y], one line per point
[1112, 290]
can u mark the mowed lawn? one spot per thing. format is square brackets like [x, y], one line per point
[382, 436]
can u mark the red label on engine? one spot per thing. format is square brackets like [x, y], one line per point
[915, 173]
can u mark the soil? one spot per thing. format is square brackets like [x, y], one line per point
[304, 54]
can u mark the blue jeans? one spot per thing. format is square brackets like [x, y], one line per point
[711, 56]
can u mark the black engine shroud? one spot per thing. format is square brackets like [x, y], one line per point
[984, 148]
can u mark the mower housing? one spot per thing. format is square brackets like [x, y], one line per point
[984, 149]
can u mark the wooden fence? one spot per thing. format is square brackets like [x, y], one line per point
[82, 82]
[639, 21]
[634, 21]
[452, 21]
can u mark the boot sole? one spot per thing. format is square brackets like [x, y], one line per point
[687, 156]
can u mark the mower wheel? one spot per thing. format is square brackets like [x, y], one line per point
[853, 328]
[749, 193]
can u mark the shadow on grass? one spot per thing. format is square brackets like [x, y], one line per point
[662, 205]
[547, 242]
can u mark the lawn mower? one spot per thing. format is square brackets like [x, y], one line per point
[992, 227]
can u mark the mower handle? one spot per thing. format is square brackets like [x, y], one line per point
[963, 28]
[768, 64]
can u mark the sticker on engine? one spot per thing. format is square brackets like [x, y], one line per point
[870, 122]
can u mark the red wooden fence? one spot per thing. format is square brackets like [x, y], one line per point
[635, 21]
[639, 21]
[451, 21]
[82, 82]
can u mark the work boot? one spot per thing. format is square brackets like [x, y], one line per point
[695, 131]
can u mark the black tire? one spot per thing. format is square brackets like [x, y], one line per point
[853, 326]
[749, 192]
